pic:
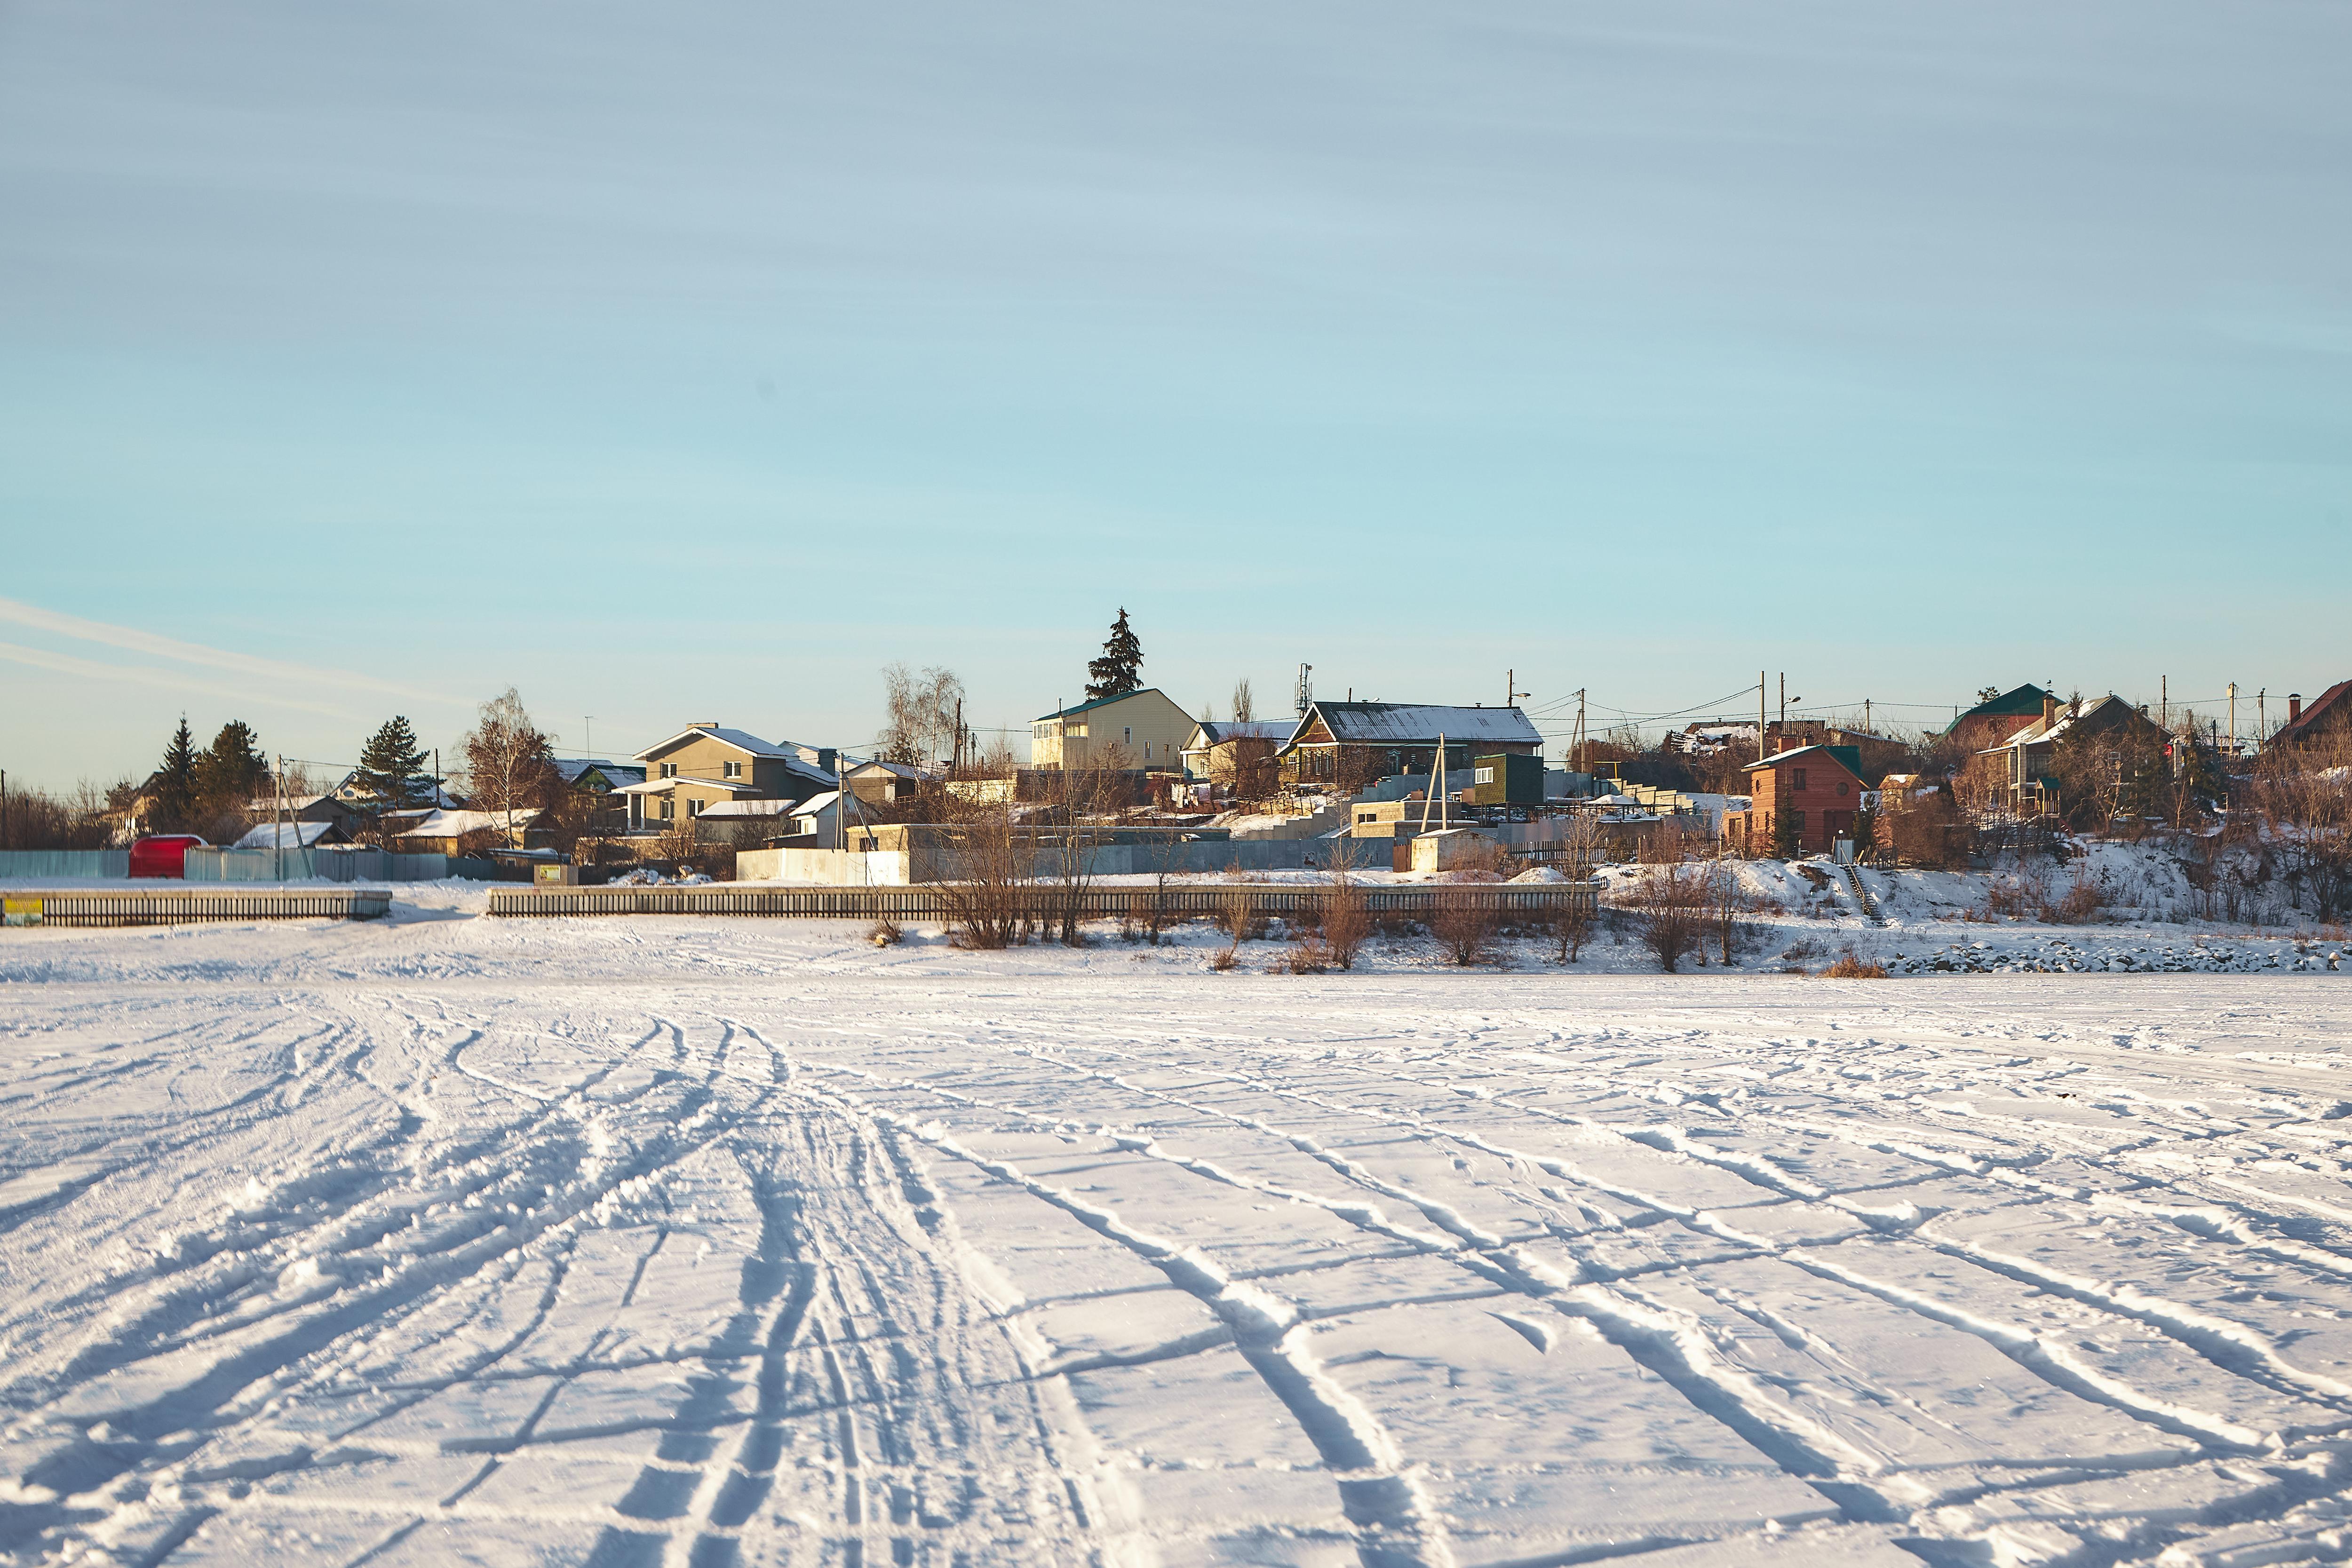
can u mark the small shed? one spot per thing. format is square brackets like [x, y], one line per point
[1450, 848]
[1507, 778]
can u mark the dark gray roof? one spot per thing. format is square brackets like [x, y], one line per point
[1420, 724]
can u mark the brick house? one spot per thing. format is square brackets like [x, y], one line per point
[1819, 787]
[2328, 717]
[1990, 723]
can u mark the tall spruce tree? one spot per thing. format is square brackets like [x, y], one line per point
[175, 782]
[1119, 670]
[390, 764]
[231, 771]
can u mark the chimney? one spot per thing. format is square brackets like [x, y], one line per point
[2048, 709]
[2295, 706]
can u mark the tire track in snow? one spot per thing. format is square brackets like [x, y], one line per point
[1379, 1496]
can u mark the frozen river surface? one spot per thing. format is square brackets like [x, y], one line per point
[656, 1241]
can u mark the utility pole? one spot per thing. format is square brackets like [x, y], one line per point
[1576, 745]
[2233, 717]
[2262, 716]
[276, 818]
[1865, 716]
[1784, 702]
[1759, 715]
[2164, 702]
[588, 737]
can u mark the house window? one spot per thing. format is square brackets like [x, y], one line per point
[1797, 823]
[1840, 786]
[669, 808]
[1127, 736]
[1486, 775]
[730, 770]
[694, 808]
[669, 770]
[1801, 777]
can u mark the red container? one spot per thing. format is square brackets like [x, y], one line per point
[165, 855]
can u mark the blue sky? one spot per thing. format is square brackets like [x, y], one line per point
[693, 362]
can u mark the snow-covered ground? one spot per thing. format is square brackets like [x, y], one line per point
[664, 1240]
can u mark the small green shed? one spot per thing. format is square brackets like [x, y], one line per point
[1506, 779]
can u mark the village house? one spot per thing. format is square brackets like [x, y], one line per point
[1990, 723]
[2019, 768]
[1235, 752]
[1348, 745]
[705, 764]
[295, 834]
[1136, 729]
[878, 784]
[459, 832]
[1814, 792]
[2327, 720]
[299, 808]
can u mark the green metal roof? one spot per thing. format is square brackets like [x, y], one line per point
[2025, 702]
[1107, 701]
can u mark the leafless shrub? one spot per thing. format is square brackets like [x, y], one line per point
[1347, 920]
[990, 902]
[1308, 954]
[1464, 924]
[885, 932]
[2016, 896]
[1669, 905]
[1852, 966]
[1241, 921]
[2079, 905]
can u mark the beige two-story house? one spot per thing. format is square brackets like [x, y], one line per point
[704, 765]
[1138, 729]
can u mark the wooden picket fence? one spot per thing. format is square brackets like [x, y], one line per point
[1530, 901]
[182, 904]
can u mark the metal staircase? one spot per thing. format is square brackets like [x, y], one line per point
[1862, 899]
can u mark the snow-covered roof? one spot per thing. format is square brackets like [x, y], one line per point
[265, 803]
[749, 808]
[571, 769]
[1216, 731]
[1418, 723]
[656, 786]
[741, 740]
[817, 802]
[907, 770]
[293, 835]
[1838, 754]
[2050, 731]
[452, 824]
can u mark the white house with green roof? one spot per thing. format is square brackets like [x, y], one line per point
[1135, 729]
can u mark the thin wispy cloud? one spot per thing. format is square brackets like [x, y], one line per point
[131, 639]
[171, 680]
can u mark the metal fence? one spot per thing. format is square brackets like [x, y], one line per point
[92, 863]
[184, 905]
[317, 863]
[1532, 901]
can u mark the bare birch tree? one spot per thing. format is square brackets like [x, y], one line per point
[509, 766]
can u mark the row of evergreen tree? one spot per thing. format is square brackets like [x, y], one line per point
[194, 790]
